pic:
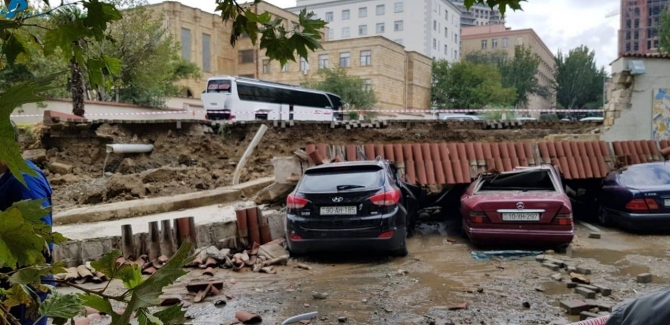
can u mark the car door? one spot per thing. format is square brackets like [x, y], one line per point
[410, 193]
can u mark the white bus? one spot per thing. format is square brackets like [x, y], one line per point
[248, 99]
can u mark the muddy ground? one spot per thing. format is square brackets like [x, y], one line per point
[196, 157]
[438, 273]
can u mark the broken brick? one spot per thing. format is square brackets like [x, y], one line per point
[603, 290]
[572, 285]
[586, 293]
[584, 271]
[574, 306]
[587, 315]
[644, 278]
[550, 266]
[589, 287]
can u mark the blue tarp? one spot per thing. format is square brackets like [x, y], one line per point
[487, 255]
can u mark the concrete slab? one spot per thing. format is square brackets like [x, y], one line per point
[137, 208]
[202, 215]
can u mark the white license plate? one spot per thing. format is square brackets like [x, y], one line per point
[521, 216]
[667, 202]
[329, 211]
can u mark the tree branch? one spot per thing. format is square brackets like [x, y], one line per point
[94, 292]
[8, 316]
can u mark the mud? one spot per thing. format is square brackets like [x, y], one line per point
[196, 157]
[437, 275]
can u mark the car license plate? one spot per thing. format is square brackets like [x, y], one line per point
[521, 216]
[667, 202]
[329, 211]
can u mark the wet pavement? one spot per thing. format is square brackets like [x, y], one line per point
[437, 276]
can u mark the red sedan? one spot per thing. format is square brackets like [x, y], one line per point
[527, 206]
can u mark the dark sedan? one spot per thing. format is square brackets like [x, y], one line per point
[353, 206]
[636, 197]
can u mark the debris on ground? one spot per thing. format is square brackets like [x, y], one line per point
[511, 254]
[247, 318]
[644, 278]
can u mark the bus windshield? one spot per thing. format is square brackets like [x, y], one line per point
[219, 86]
[337, 103]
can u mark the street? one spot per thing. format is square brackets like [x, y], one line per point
[438, 275]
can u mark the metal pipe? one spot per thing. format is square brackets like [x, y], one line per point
[127, 241]
[154, 241]
[167, 243]
[129, 148]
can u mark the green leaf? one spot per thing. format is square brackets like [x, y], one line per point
[146, 294]
[130, 274]
[59, 305]
[107, 264]
[19, 244]
[17, 295]
[31, 275]
[309, 25]
[174, 315]
[146, 318]
[15, 96]
[96, 302]
[99, 14]
[63, 36]
[13, 46]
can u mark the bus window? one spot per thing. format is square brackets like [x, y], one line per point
[219, 86]
[337, 102]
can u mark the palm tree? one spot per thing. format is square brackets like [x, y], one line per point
[72, 16]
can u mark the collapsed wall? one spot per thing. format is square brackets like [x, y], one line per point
[191, 156]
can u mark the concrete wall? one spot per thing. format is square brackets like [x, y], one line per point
[33, 113]
[629, 112]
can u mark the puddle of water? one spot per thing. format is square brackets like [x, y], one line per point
[555, 288]
[632, 270]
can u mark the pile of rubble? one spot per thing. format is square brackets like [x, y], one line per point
[588, 307]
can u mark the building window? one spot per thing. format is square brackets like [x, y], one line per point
[284, 68]
[246, 56]
[398, 26]
[345, 59]
[455, 54]
[446, 49]
[434, 44]
[266, 66]
[455, 38]
[304, 65]
[505, 42]
[446, 32]
[381, 10]
[494, 43]
[329, 16]
[367, 85]
[366, 58]
[186, 44]
[399, 41]
[331, 33]
[345, 32]
[206, 53]
[323, 61]
[380, 28]
[435, 25]
[484, 44]
[362, 12]
[346, 14]
[363, 30]
[446, 15]
[398, 7]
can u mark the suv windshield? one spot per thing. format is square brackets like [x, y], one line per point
[645, 175]
[536, 180]
[342, 179]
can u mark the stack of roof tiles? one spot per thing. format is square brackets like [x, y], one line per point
[458, 163]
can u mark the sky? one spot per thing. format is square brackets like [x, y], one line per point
[561, 24]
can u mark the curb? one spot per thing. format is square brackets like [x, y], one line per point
[143, 207]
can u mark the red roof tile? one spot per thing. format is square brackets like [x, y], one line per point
[458, 163]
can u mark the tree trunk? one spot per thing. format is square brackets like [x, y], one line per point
[77, 88]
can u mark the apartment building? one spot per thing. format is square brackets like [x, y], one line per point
[638, 33]
[478, 15]
[499, 37]
[429, 27]
[401, 79]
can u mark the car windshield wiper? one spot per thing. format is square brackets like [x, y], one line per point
[348, 187]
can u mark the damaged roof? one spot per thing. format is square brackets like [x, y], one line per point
[458, 163]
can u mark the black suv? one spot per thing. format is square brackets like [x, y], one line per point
[360, 205]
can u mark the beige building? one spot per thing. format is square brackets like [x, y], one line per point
[499, 37]
[400, 79]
